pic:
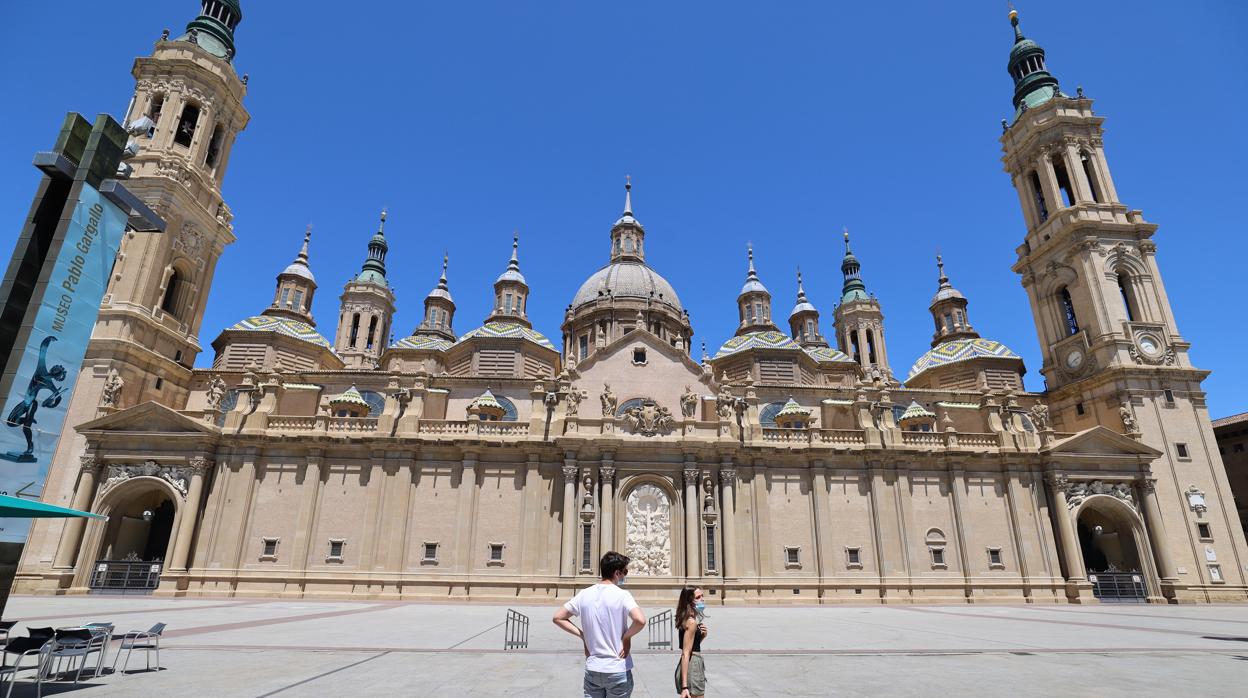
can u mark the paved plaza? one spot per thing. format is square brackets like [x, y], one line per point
[240, 647]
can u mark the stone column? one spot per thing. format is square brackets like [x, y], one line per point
[570, 521]
[957, 485]
[71, 537]
[198, 467]
[728, 494]
[1074, 171]
[692, 527]
[606, 508]
[465, 515]
[1156, 531]
[1072, 560]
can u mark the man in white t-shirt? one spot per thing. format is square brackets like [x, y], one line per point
[609, 619]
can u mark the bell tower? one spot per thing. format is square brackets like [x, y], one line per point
[367, 307]
[860, 321]
[1112, 352]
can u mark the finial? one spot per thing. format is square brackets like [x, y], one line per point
[940, 265]
[442, 281]
[381, 227]
[303, 251]
[846, 233]
[628, 195]
[749, 246]
[1018, 34]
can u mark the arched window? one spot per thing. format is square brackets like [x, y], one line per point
[810, 329]
[853, 343]
[174, 290]
[214, 146]
[355, 330]
[372, 332]
[185, 131]
[1064, 188]
[871, 347]
[1068, 311]
[1128, 296]
[1042, 210]
[1086, 162]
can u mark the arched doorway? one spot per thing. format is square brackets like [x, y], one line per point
[1110, 538]
[135, 541]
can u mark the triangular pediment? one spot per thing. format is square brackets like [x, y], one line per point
[149, 417]
[1100, 441]
[639, 337]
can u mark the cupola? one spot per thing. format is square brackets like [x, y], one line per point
[804, 319]
[511, 291]
[754, 302]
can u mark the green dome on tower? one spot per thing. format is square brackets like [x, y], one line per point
[1033, 83]
[213, 29]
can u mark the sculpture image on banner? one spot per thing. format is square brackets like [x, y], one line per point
[34, 409]
[649, 531]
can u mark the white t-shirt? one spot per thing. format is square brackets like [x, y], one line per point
[603, 610]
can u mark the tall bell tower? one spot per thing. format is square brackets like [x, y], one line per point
[1112, 352]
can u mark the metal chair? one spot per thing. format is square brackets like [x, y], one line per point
[41, 667]
[5, 627]
[25, 646]
[72, 644]
[143, 640]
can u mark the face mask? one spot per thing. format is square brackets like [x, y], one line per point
[621, 580]
[699, 606]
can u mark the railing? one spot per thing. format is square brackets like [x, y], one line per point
[660, 628]
[786, 436]
[442, 427]
[288, 423]
[1120, 587]
[356, 425]
[516, 631]
[125, 576]
[922, 438]
[978, 439]
[842, 436]
[504, 428]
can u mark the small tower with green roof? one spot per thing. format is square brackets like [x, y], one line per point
[860, 321]
[367, 308]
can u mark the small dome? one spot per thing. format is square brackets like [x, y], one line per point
[945, 293]
[440, 293]
[350, 397]
[769, 339]
[916, 411]
[281, 325]
[791, 408]
[753, 286]
[961, 350]
[299, 269]
[803, 307]
[508, 329]
[626, 279]
[512, 275]
[486, 405]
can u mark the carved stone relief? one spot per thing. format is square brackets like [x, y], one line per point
[649, 532]
[177, 476]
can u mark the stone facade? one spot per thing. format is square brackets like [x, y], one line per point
[784, 468]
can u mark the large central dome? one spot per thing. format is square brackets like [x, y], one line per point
[626, 279]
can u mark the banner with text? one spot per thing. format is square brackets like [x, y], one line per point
[34, 411]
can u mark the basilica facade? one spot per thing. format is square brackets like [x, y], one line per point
[797, 463]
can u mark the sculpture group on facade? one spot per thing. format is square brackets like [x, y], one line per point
[649, 532]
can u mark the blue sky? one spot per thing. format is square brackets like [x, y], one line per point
[776, 123]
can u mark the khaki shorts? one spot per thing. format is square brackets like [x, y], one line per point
[697, 676]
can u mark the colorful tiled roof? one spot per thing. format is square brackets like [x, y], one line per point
[423, 342]
[281, 325]
[350, 396]
[508, 329]
[769, 339]
[916, 411]
[485, 403]
[961, 350]
[827, 355]
[792, 409]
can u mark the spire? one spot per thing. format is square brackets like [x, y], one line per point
[374, 269]
[853, 289]
[752, 283]
[1033, 84]
[949, 310]
[627, 234]
[446, 258]
[213, 29]
[628, 195]
[940, 264]
[299, 267]
[801, 292]
[511, 290]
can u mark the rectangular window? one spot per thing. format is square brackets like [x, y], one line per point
[792, 556]
[506, 302]
[587, 543]
[431, 553]
[1215, 574]
[1181, 450]
[1079, 408]
[299, 300]
[584, 348]
[994, 558]
[268, 550]
[938, 557]
[159, 382]
[1203, 529]
[496, 553]
[710, 548]
[853, 557]
[335, 549]
[639, 356]
[1169, 397]
[283, 303]
[186, 126]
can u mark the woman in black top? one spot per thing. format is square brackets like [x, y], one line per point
[691, 671]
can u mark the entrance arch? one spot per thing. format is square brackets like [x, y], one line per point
[130, 550]
[1114, 546]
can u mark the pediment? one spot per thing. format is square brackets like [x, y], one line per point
[1100, 441]
[149, 417]
[631, 340]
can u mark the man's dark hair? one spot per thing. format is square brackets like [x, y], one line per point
[611, 563]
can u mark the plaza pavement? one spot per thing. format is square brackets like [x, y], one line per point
[243, 647]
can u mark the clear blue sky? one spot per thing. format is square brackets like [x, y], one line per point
[772, 122]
